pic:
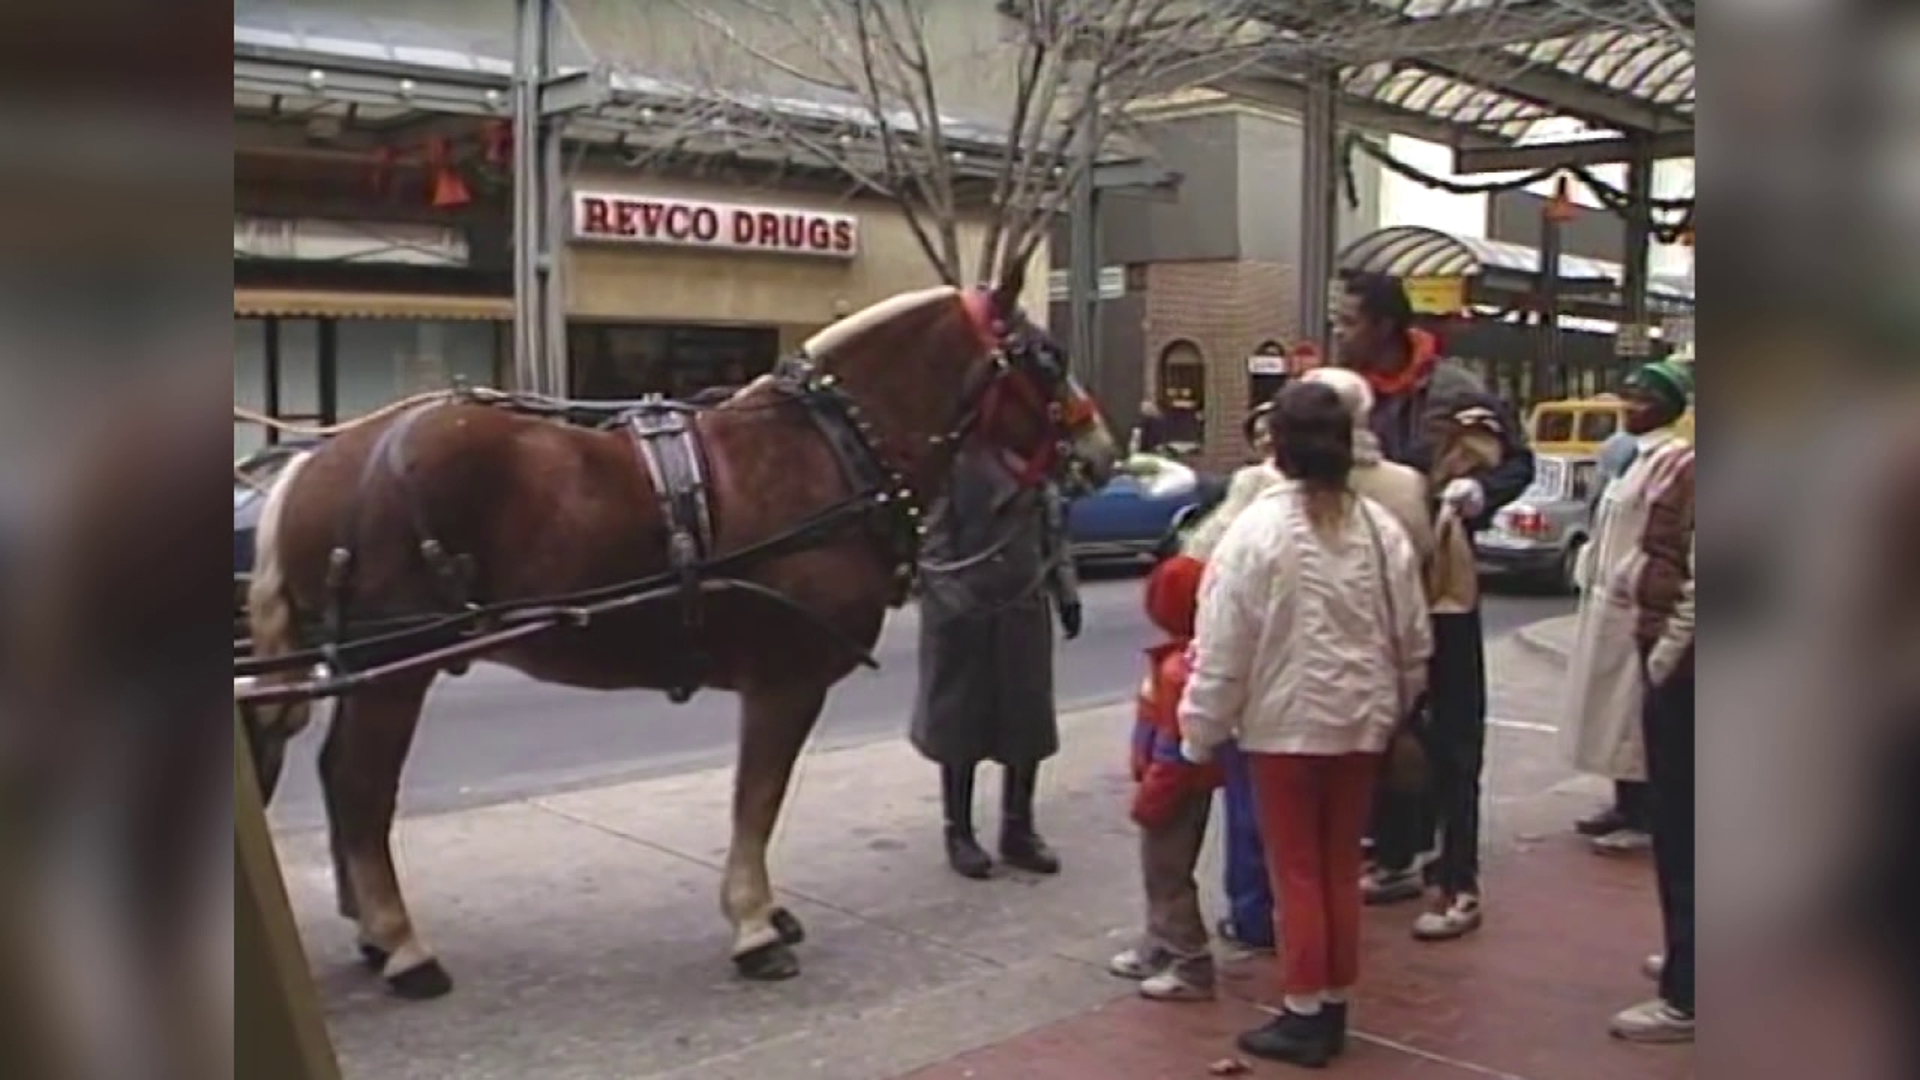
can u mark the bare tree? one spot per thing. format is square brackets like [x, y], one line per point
[863, 88]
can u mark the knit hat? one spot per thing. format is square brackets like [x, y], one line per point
[1671, 382]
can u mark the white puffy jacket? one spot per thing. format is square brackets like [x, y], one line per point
[1296, 651]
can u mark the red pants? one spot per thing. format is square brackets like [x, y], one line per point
[1313, 813]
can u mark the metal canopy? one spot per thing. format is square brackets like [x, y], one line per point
[1508, 84]
[1406, 251]
[380, 72]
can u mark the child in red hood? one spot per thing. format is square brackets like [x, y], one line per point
[1173, 961]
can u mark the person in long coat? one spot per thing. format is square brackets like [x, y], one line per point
[995, 573]
[1604, 681]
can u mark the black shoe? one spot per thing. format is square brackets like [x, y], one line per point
[964, 853]
[1602, 823]
[1336, 1014]
[1306, 1041]
[1022, 848]
[1020, 845]
[966, 856]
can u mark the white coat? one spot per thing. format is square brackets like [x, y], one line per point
[1604, 682]
[1296, 647]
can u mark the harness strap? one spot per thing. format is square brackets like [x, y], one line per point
[670, 450]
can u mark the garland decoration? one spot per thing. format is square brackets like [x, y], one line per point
[1613, 199]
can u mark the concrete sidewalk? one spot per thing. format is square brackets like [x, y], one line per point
[583, 933]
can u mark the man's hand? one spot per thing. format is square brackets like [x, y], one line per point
[1194, 753]
[1466, 497]
[1070, 619]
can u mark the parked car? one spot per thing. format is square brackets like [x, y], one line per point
[1540, 534]
[253, 477]
[1131, 516]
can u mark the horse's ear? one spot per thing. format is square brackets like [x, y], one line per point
[1013, 281]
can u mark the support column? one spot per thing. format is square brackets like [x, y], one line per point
[1633, 341]
[1319, 191]
[537, 358]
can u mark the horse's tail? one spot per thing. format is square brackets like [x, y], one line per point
[272, 622]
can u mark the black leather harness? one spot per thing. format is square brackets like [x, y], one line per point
[670, 450]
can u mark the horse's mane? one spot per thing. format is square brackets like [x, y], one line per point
[873, 315]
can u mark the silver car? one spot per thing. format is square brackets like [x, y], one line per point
[1540, 534]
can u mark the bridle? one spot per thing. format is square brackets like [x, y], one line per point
[1025, 370]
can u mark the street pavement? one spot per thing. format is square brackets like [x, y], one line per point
[494, 735]
[582, 930]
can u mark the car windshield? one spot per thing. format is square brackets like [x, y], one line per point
[1549, 479]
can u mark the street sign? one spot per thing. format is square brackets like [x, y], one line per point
[1436, 295]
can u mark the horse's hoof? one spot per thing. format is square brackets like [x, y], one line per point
[422, 982]
[373, 956]
[788, 925]
[771, 962]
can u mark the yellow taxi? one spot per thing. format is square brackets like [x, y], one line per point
[1578, 426]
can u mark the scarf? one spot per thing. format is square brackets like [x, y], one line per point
[1423, 352]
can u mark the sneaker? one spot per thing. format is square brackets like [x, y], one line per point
[1654, 966]
[1602, 823]
[1175, 985]
[1622, 842]
[1652, 1022]
[1391, 886]
[1139, 963]
[1451, 918]
[1306, 1041]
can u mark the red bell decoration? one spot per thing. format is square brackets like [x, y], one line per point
[1560, 208]
[496, 142]
[449, 189]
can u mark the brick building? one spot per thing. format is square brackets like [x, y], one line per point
[1199, 289]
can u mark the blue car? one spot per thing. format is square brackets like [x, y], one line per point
[1132, 517]
[253, 477]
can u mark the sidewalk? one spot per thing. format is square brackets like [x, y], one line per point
[583, 935]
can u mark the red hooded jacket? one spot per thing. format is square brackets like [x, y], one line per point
[1164, 778]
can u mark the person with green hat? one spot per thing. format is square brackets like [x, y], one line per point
[1630, 680]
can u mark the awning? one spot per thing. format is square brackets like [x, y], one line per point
[323, 304]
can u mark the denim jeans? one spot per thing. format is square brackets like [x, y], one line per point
[1249, 894]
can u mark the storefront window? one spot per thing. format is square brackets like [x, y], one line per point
[383, 360]
[249, 382]
[630, 361]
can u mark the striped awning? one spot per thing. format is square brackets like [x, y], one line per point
[323, 304]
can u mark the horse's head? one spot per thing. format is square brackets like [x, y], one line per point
[1023, 400]
[982, 374]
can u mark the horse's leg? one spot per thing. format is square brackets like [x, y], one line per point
[344, 900]
[372, 732]
[774, 724]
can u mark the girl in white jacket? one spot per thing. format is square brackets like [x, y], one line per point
[1312, 646]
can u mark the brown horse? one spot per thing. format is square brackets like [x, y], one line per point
[453, 504]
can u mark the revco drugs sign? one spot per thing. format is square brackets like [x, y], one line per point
[647, 219]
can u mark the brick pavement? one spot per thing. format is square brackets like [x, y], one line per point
[1526, 998]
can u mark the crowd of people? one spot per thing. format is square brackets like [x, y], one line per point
[1323, 664]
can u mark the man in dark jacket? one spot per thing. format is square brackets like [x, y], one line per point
[994, 573]
[1411, 386]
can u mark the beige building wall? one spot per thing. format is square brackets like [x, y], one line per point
[800, 293]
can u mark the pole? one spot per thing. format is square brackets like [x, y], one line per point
[539, 221]
[1633, 341]
[1546, 353]
[1319, 188]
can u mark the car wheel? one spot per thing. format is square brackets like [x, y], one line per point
[1565, 579]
